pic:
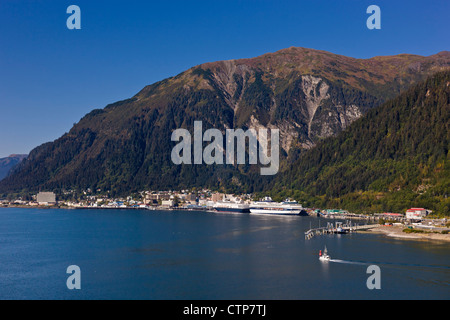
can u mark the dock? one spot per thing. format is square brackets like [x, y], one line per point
[337, 228]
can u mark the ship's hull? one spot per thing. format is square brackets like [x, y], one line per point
[236, 210]
[276, 211]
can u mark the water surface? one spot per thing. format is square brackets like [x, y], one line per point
[134, 254]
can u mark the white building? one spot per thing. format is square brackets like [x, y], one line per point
[168, 203]
[46, 198]
[416, 214]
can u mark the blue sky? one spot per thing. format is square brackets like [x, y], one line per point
[51, 76]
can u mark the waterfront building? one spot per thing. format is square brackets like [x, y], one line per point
[168, 203]
[46, 198]
[416, 214]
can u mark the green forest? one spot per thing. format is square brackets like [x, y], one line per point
[393, 158]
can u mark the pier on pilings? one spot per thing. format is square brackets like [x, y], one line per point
[337, 228]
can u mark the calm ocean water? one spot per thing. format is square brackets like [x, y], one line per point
[134, 254]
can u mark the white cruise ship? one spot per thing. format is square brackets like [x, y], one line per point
[231, 206]
[268, 206]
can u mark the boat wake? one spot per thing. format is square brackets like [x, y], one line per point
[367, 263]
[350, 262]
[325, 257]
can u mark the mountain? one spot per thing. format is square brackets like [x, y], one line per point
[308, 94]
[8, 163]
[393, 158]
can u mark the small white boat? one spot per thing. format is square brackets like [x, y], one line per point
[324, 256]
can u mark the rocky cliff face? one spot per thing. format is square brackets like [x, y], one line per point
[307, 94]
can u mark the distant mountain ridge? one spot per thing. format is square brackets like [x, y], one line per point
[8, 163]
[307, 94]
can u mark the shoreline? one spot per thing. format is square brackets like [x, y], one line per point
[397, 232]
